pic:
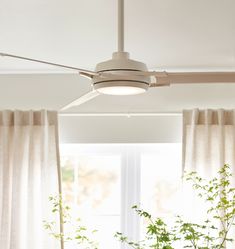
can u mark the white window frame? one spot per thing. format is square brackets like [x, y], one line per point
[130, 179]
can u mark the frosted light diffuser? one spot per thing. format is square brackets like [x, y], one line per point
[121, 90]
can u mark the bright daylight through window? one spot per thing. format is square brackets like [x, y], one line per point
[102, 182]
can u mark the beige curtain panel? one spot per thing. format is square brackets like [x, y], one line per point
[29, 174]
[208, 143]
[208, 139]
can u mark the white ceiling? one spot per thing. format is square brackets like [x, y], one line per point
[166, 34]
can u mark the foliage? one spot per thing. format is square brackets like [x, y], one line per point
[210, 234]
[77, 233]
[157, 236]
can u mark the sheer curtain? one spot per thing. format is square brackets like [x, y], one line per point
[208, 140]
[29, 174]
[208, 143]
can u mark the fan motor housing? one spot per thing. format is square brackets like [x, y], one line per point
[119, 72]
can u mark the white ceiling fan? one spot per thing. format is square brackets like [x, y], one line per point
[124, 76]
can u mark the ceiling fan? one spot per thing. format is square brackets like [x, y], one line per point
[124, 76]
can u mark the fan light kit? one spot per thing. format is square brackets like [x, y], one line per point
[124, 76]
[114, 84]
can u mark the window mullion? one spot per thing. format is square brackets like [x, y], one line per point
[130, 192]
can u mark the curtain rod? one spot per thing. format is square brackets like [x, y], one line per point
[122, 114]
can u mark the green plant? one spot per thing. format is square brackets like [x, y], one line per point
[77, 231]
[213, 233]
[219, 193]
[158, 234]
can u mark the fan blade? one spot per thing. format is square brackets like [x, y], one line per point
[81, 100]
[167, 78]
[158, 84]
[83, 72]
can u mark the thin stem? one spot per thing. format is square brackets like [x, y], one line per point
[193, 241]
[208, 236]
[226, 233]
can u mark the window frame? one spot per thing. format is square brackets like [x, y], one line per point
[130, 178]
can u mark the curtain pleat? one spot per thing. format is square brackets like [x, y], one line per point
[208, 139]
[28, 176]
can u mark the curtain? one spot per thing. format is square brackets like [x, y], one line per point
[208, 140]
[29, 174]
[208, 143]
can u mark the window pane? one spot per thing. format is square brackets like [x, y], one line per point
[160, 179]
[160, 182]
[107, 226]
[91, 185]
[97, 181]
[68, 179]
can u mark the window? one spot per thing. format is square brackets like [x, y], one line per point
[161, 178]
[103, 182]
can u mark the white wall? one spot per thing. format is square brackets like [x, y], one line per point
[120, 129]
